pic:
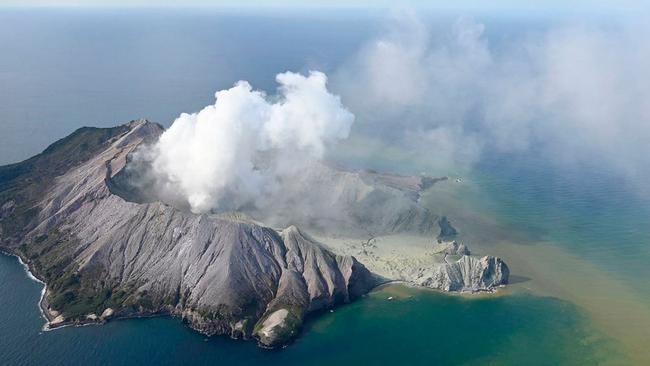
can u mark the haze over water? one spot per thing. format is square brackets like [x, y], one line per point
[72, 68]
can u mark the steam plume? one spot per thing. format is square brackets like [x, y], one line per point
[212, 157]
[576, 93]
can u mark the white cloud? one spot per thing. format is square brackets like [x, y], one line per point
[210, 157]
[574, 93]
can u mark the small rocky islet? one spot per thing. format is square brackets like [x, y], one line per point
[70, 215]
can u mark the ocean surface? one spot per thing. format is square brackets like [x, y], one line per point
[577, 239]
[415, 327]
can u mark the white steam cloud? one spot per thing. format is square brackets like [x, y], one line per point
[212, 157]
[574, 93]
[438, 101]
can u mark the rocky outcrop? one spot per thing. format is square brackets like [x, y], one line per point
[447, 231]
[468, 274]
[278, 327]
[101, 254]
[451, 248]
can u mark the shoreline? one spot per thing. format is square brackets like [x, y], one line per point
[31, 276]
[78, 323]
[47, 327]
[493, 292]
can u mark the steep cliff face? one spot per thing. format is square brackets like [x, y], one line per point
[100, 253]
[470, 274]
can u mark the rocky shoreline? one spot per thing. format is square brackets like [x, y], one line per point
[51, 322]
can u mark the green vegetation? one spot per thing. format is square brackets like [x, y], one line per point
[22, 186]
[26, 183]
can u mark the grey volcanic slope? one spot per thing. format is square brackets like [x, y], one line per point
[105, 249]
[354, 203]
[103, 256]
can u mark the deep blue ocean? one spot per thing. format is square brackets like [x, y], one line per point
[62, 69]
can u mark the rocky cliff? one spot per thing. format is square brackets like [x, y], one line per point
[468, 274]
[103, 256]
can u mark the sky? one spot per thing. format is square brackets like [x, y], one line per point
[550, 6]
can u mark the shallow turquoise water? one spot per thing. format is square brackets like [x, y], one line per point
[416, 328]
[586, 209]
